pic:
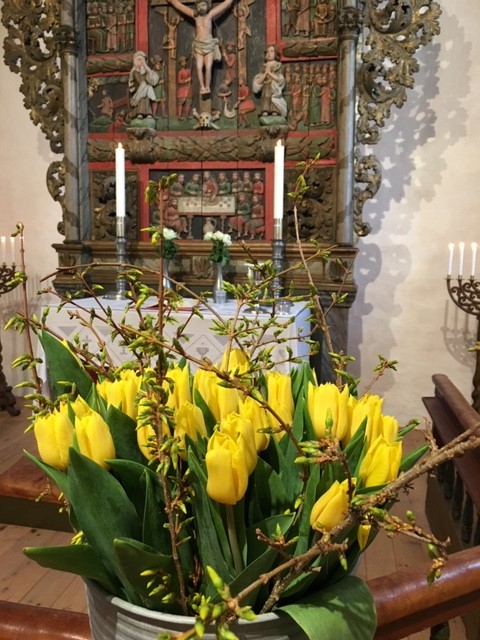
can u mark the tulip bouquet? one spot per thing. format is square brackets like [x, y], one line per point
[220, 492]
[216, 490]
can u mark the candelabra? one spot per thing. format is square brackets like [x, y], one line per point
[465, 293]
[121, 253]
[7, 399]
[278, 255]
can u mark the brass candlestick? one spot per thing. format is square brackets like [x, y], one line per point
[465, 293]
[7, 399]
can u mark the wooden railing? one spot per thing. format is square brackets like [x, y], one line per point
[405, 604]
[453, 494]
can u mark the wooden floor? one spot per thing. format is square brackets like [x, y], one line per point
[24, 581]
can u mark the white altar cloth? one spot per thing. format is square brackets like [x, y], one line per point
[203, 342]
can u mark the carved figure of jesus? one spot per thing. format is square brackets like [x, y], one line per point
[205, 47]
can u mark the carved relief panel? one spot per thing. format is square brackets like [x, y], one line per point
[205, 90]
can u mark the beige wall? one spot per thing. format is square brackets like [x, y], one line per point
[24, 159]
[428, 198]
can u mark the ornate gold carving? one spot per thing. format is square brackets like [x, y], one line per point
[67, 39]
[368, 172]
[32, 50]
[315, 212]
[394, 31]
[310, 48]
[227, 149]
[349, 21]
[56, 187]
[104, 64]
[103, 205]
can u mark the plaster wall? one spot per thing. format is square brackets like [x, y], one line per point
[429, 194]
[429, 197]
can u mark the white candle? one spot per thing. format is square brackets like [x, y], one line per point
[12, 248]
[461, 246]
[278, 186]
[474, 258]
[451, 248]
[3, 241]
[120, 187]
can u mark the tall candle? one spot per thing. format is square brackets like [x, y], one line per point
[474, 258]
[3, 241]
[120, 188]
[461, 246]
[278, 187]
[451, 248]
[12, 248]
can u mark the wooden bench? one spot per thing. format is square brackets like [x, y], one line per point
[28, 499]
[453, 494]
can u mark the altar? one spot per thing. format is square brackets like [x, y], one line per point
[202, 342]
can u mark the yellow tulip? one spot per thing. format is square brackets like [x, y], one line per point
[79, 406]
[220, 400]
[241, 430]
[250, 409]
[177, 384]
[390, 428]
[280, 398]
[327, 404]
[234, 360]
[145, 436]
[189, 420]
[370, 407]
[227, 475]
[363, 534]
[54, 436]
[381, 462]
[331, 508]
[122, 393]
[94, 438]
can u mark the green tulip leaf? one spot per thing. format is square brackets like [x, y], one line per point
[142, 486]
[135, 558]
[342, 610]
[124, 434]
[58, 477]
[63, 366]
[305, 530]
[409, 460]
[266, 492]
[154, 518]
[214, 548]
[102, 520]
[80, 559]
[210, 420]
[270, 527]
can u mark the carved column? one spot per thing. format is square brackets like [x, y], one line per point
[349, 27]
[71, 39]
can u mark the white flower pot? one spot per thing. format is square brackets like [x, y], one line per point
[112, 618]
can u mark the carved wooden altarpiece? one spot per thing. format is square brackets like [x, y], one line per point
[97, 73]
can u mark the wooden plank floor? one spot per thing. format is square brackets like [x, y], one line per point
[23, 581]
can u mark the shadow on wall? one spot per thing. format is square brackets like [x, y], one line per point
[385, 252]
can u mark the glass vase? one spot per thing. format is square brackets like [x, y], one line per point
[219, 293]
[167, 284]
